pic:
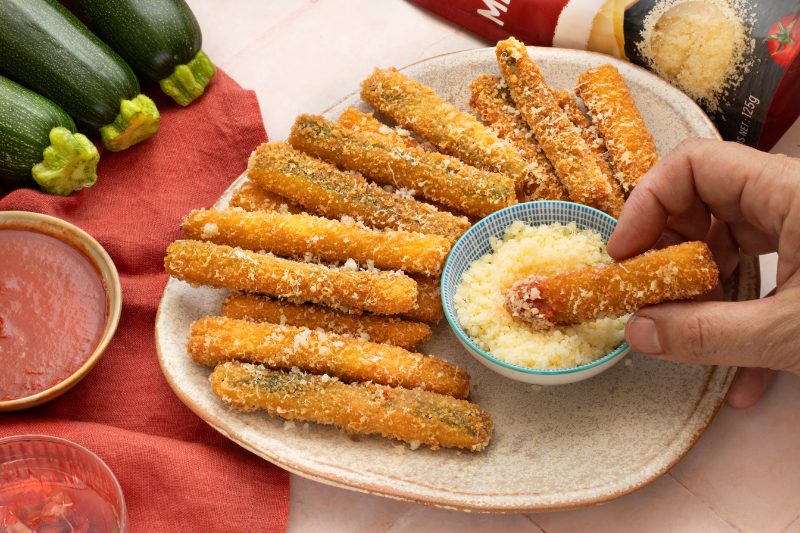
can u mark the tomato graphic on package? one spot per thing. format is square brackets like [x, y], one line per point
[784, 39]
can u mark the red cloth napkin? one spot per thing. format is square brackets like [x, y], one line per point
[177, 473]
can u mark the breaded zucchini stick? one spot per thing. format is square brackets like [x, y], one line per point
[413, 416]
[428, 307]
[215, 340]
[589, 133]
[329, 240]
[223, 267]
[567, 102]
[435, 176]
[251, 197]
[373, 328]
[492, 101]
[614, 289]
[567, 151]
[357, 120]
[417, 108]
[327, 191]
[606, 97]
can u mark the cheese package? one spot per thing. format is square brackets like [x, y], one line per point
[738, 59]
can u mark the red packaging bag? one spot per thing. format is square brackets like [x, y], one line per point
[738, 59]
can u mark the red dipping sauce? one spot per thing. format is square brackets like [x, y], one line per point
[53, 310]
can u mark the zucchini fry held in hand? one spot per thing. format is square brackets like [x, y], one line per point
[435, 176]
[606, 97]
[413, 416]
[492, 101]
[565, 148]
[373, 328]
[330, 240]
[614, 289]
[418, 108]
[216, 340]
[223, 267]
[252, 197]
[327, 191]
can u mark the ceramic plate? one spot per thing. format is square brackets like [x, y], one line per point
[553, 448]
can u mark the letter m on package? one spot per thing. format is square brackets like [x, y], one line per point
[495, 7]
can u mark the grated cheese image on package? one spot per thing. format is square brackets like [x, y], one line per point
[738, 59]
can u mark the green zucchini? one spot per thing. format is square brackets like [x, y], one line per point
[38, 140]
[45, 48]
[160, 40]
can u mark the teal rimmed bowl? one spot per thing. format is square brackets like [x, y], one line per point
[476, 242]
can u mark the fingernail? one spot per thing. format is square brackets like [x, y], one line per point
[642, 335]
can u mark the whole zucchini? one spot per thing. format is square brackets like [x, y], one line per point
[160, 40]
[38, 139]
[45, 48]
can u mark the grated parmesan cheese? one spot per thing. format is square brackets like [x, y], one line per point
[704, 46]
[523, 251]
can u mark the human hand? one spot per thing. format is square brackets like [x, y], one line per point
[732, 197]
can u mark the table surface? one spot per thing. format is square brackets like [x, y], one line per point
[304, 55]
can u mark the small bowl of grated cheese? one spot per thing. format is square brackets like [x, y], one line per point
[541, 238]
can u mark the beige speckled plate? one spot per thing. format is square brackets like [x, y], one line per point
[556, 448]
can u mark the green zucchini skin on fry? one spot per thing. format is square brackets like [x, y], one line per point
[155, 37]
[38, 140]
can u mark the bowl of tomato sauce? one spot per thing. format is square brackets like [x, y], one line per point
[60, 303]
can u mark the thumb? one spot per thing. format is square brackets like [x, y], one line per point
[759, 333]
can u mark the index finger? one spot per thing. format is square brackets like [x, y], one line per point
[722, 174]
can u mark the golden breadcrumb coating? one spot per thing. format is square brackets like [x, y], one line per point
[417, 108]
[413, 416]
[357, 120]
[325, 190]
[373, 328]
[569, 154]
[329, 240]
[428, 307]
[223, 267]
[215, 340]
[567, 101]
[435, 176]
[492, 101]
[590, 134]
[251, 197]
[614, 289]
[606, 97]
